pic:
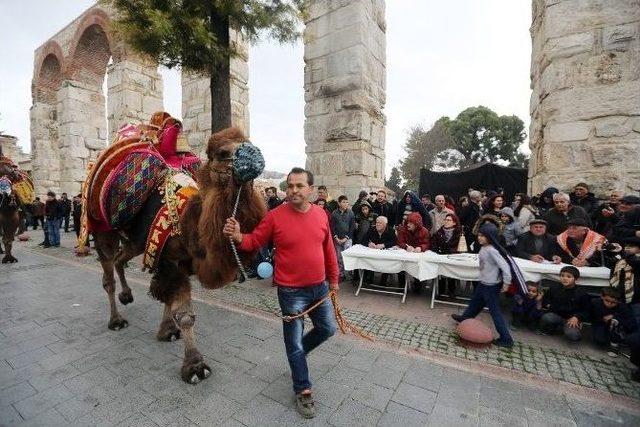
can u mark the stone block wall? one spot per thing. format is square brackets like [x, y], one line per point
[344, 84]
[585, 105]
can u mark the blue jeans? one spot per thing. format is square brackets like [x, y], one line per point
[53, 230]
[488, 296]
[297, 344]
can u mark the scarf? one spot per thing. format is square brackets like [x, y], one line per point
[589, 245]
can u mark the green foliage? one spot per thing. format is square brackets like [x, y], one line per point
[394, 182]
[180, 32]
[283, 185]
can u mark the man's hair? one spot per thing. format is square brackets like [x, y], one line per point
[582, 185]
[533, 284]
[571, 270]
[611, 292]
[475, 193]
[426, 196]
[341, 198]
[37, 199]
[561, 196]
[382, 191]
[296, 171]
[383, 218]
[64, 194]
[322, 187]
[51, 194]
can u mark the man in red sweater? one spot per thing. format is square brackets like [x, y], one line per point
[305, 261]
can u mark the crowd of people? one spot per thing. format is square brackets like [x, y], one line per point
[572, 228]
[52, 215]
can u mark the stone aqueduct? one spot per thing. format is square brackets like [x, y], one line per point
[585, 105]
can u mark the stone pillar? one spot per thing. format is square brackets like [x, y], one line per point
[45, 153]
[196, 99]
[82, 131]
[585, 105]
[134, 93]
[344, 84]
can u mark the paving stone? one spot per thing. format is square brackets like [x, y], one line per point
[493, 417]
[502, 396]
[49, 418]
[384, 377]
[280, 390]
[214, 409]
[331, 394]
[9, 416]
[353, 413]
[424, 374]
[43, 401]
[399, 415]
[16, 393]
[84, 403]
[372, 395]
[29, 357]
[260, 411]
[537, 418]
[415, 397]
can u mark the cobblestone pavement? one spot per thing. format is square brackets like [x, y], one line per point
[60, 365]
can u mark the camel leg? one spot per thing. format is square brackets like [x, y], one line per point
[125, 254]
[193, 369]
[107, 246]
[9, 226]
[168, 330]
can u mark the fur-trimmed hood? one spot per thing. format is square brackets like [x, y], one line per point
[488, 218]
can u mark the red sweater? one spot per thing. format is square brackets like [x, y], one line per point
[305, 254]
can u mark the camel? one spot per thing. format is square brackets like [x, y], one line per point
[9, 208]
[198, 249]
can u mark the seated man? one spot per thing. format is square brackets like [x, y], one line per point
[536, 244]
[579, 245]
[628, 221]
[380, 237]
[562, 212]
[565, 306]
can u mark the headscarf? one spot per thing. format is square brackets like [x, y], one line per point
[490, 231]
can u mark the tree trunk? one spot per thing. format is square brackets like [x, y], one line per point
[220, 77]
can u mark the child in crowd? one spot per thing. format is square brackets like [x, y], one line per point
[527, 309]
[565, 305]
[495, 277]
[511, 229]
[611, 319]
[625, 276]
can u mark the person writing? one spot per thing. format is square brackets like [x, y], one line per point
[305, 261]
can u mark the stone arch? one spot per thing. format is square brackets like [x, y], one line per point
[49, 73]
[91, 55]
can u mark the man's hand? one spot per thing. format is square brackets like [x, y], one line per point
[556, 259]
[334, 286]
[536, 258]
[579, 262]
[417, 249]
[409, 248]
[380, 246]
[373, 245]
[607, 212]
[573, 322]
[232, 229]
[607, 318]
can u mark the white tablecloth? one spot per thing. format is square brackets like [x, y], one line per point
[429, 265]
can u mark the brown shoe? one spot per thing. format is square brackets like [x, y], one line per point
[305, 405]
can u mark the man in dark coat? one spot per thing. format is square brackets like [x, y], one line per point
[536, 244]
[273, 201]
[380, 237]
[628, 224]
[469, 216]
[382, 207]
[607, 214]
[65, 205]
[562, 212]
[583, 198]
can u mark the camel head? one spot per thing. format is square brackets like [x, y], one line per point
[232, 164]
[9, 169]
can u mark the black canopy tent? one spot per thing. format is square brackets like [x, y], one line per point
[481, 176]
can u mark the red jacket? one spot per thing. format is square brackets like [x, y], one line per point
[305, 254]
[418, 237]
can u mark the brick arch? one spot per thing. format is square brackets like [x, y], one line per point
[49, 73]
[91, 48]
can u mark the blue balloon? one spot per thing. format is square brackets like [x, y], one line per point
[265, 270]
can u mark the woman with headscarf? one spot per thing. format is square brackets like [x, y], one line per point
[498, 272]
[545, 201]
[411, 203]
[523, 211]
[445, 242]
[413, 237]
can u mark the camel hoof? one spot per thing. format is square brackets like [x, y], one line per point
[117, 324]
[194, 369]
[8, 259]
[125, 298]
[169, 335]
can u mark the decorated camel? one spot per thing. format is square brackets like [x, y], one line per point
[16, 190]
[146, 195]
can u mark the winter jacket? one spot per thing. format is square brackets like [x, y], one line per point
[343, 224]
[53, 209]
[621, 312]
[363, 225]
[589, 203]
[273, 202]
[625, 276]
[557, 221]
[38, 209]
[567, 302]
[418, 237]
[66, 206]
[542, 206]
[441, 245]
[437, 218]
[415, 206]
[511, 230]
[604, 224]
[386, 210]
[626, 226]
[388, 237]
[526, 215]
[526, 246]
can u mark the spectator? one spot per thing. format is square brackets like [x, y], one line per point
[54, 213]
[449, 203]
[445, 241]
[463, 203]
[413, 237]
[607, 214]
[343, 226]
[438, 214]
[625, 276]
[470, 215]
[628, 222]
[363, 196]
[511, 229]
[365, 221]
[38, 213]
[523, 211]
[583, 198]
[380, 237]
[495, 277]
[579, 245]
[611, 319]
[536, 244]
[382, 207]
[545, 201]
[323, 204]
[77, 214]
[426, 202]
[495, 205]
[565, 306]
[65, 204]
[408, 204]
[527, 310]
[273, 201]
[323, 193]
[562, 212]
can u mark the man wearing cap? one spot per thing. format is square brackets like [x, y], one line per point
[583, 198]
[536, 244]
[579, 245]
[562, 212]
[628, 224]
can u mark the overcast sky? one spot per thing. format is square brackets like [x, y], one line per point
[442, 57]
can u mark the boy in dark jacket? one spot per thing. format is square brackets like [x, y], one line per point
[611, 319]
[565, 305]
[528, 309]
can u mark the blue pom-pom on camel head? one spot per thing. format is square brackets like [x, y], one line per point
[248, 162]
